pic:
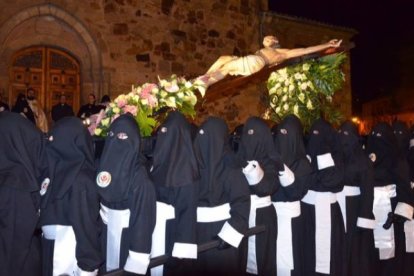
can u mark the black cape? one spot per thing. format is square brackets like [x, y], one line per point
[22, 167]
[219, 184]
[129, 187]
[71, 198]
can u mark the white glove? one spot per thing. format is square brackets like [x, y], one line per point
[325, 161]
[253, 172]
[286, 177]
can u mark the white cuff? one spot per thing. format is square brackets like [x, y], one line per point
[185, 250]
[253, 172]
[404, 210]
[230, 235]
[412, 185]
[325, 161]
[366, 223]
[412, 143]
[80, 272]
[309, 158]
[137, 262]
[286, 177]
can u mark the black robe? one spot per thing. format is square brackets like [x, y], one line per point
[87, 110]
[220, 184]
[402, 135]
[70, 198]
[22, 107]
[60, 111]
[126, 191]
[174, 172]
[360, 220]
[326, 180]
[22, 166]
[256, 145]
[389, 168]
[4, 106]
[288, 138]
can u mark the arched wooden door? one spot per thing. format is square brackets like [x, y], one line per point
[50, 72]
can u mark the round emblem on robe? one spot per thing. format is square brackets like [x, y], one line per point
[103, 179]
[373, 157]
[44, 186]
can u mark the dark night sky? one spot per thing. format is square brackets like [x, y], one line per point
[385, 38]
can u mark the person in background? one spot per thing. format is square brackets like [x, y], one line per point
[39, 114]
[105, 101]
[22, 107]
[3, 105]
[62, 109]
[90, 108]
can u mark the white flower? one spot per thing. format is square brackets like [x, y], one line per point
[277, 109]
[298, 76]
[105, 122]
[155, 90]
[284, 98]
[309, 105]
[287, 82]
[170, 101]
[291, 87]
[305, 67]
[144, 101]
[303, 86]
[296, 109]
[116, 110]
[286, 107]
[272, 90]
[180, 95]
[303, 77]
[98, 131]
[188, 84]
[329, 99]
[277, 85]
[285, 89]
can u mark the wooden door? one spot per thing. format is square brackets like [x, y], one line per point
[50, 72]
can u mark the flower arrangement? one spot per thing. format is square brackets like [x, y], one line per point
[146, 102]
[306, 89]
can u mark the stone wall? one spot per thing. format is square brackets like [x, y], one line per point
[124, 42]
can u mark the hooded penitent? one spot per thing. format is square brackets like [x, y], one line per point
[223, 201]
[128, 201]
[21, 170]
[70, 206]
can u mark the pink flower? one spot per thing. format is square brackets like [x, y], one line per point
[131, 109]
[146, 90]
[121, 102]
[115, 117]
[152, 101]
[172, 88]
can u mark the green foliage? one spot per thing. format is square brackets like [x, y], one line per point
[306, 90]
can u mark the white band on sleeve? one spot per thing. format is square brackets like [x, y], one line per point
[137, 262]
[365, 223]
[286, 177]
[325, 161]
[185, 250]
[230, 235]
[404, 210]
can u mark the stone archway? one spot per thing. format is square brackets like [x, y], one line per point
[50, 25]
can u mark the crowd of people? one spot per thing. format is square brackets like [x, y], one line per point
[331, 202]
[28, 106]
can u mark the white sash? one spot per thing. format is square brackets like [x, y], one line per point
[116, 220]
[384, 238]
[284, 259]
[341, 197]
[322, 202]
[409, 236]
[64, 252]
[255, 203]
[164, 213]
[212, 214]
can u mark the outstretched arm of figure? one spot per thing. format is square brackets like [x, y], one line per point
[293, 53]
